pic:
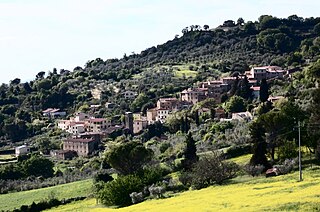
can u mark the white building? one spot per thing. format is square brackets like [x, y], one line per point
[266, 72]
[162, 115]
[53, 113]
[76, 128]
[22, 150]
[81, 117]
[151, 115]
[97, 125]
[63, 124]
[242, 116]
[139, 125]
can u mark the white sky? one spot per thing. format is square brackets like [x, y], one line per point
[38, 35]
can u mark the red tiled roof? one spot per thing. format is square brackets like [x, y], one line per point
[255, 88]
[78, 140]
[98, 119]
[51, 110]
[168, 99]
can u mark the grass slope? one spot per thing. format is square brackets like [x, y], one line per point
[242, 194]
[75, 189]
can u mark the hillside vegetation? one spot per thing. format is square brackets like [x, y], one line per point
[15, 200]
[187, 143]
[232, 47]
[282, 193]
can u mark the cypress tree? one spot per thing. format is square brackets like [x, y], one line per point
[264, 91]
[190, 153]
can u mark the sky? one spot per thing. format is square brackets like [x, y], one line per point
[39, 35]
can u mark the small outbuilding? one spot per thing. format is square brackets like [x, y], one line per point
[22, 150]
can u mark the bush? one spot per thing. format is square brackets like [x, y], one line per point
[211, 170]
[287, 166]
[117, 192]
[254, 170]
[136, 197]
[152, 175]
[287, 150]
[156, 191]
[164, 147]
[102, 176]
[186, 178]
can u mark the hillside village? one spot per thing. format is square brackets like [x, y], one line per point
[87, 131]
[221, 106]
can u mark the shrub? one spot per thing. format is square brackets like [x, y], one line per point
[186, 178]
[152, 175]
[287, 166]
[175, 185]
[117, 192]
[287, 150]
[102, 176]
[254, 170]
[212, 170]
[164, 147]
[136, 197]
[156, 191]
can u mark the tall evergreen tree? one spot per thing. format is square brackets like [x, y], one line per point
[259, 145]
[234, 87]
[196, 117]
[264, 91]
[244, 89]
[190, 153]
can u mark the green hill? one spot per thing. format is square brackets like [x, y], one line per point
[282, 193]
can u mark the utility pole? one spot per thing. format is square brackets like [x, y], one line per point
[300, 168]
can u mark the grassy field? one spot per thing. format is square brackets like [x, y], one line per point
[282, 193]
[7, 156]
[242, 160]
[75, 189]
[187, 73]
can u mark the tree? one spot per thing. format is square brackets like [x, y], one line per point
[316, 29]
[38, 165]
[137, 104]
[27, 88]
[40, 75]
[128, 157]
[240, 21]
[250, 28]
[16, 81]
[268, 21]
[314, 70]
[212, 169]
[275, 40]
[196, 117]
[185, 124]
[244, 89]
[185, 30]
[206, 27]
[45, 145]
[11, 172]
[257, 134]
[235, 104]
[190, 154]
[264, 91]
[279, 125]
